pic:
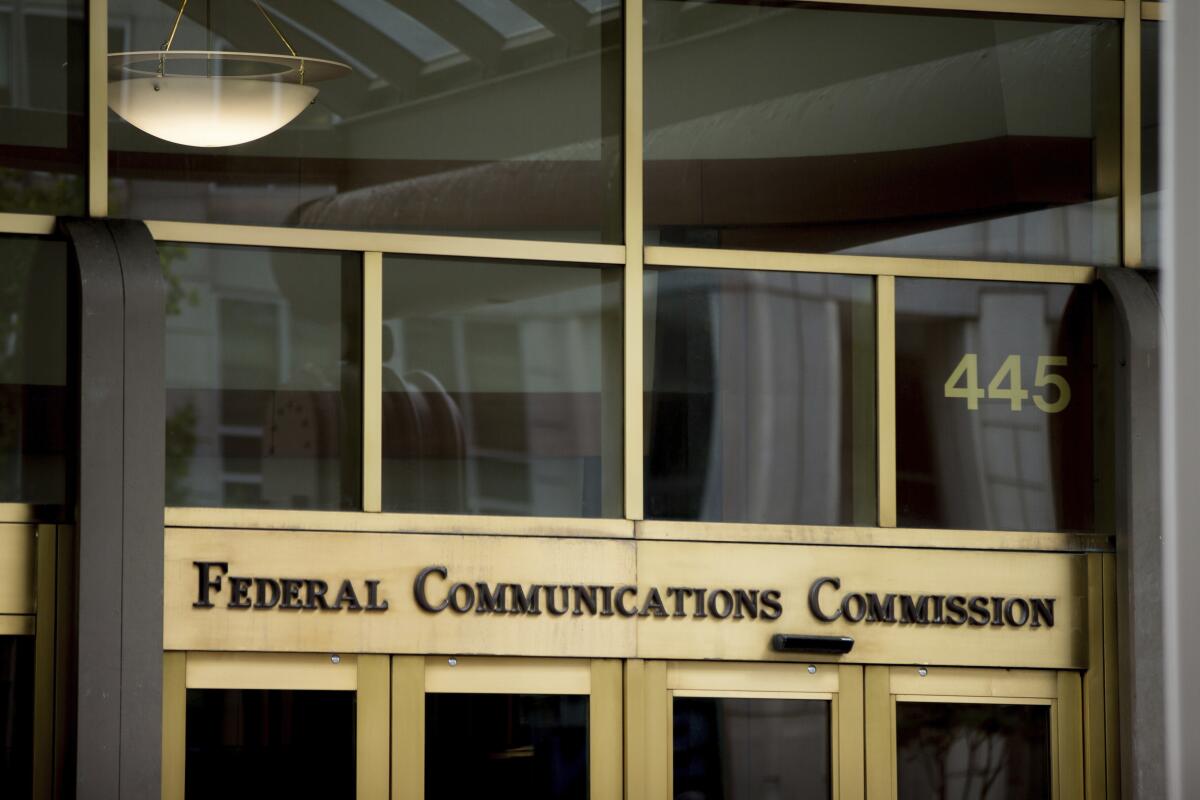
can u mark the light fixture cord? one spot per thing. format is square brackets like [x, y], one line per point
[162, 60]
[279, 33]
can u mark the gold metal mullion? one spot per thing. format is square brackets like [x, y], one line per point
[408, 728]
[97, 108]
[632, 288]
[851, 747]
[174, 730]
[1112, 738]
[885, 360]
[1093, 680]
[44, 657]
[1070, 736]
[372, 382]
[1097, 9]
[604, 734]
[1131, 135]
[373, 727]
[29, 224]
[878, 734]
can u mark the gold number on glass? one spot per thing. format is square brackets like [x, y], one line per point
[968, 367]
[1011, 368]
[1044, 378]
[967, 371]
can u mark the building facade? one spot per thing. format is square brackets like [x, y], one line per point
[577, 398]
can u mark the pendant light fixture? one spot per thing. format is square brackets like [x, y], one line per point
[209, 98]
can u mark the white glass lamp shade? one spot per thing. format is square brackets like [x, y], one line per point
[214, 99]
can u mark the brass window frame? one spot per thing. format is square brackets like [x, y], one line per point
[1060, 690]
[365, 675]
[415, 676]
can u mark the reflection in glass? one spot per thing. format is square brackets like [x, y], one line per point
[506, 745]
[264, 377]
[476, 117]
[760, 397]
[1151, 133]
[16, 716]
[1023, 462]
[34, 433]
[776, 126]
[726, 749]
[43, 103]
[501, 388]
[270, 743]
[973, 752]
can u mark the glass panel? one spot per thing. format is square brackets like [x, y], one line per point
[777, 126]
[506, 745]
[264, 377]
[1151, 133]
[973, 752]
[43, 103]
[270, 743]
[34, 435]
[476, 117]
[16, 716]
[727, 749]
[502, 388]
[760, 397]
[994, 421]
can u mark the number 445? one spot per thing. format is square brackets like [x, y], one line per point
[1009, 373]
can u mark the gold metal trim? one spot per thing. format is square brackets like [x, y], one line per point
[504, 675]
[848, 733]
[372, 382]
[604, 730]
[18, 577]
[1093, 680]
[17, 625]
[97, 108]
[879, 734]
[44, 674]
[656, 700]
[29, 224]
[1110, 9]
[373, 720]
[388, 243]
[925, 538]
[174, 731]
[1070, 736]
[866, 265]
[212, 670]
[1155, 11]
[885, 387]
[633, 290]
[1131, 135]
[408, 727]
[1112, 705]
[977, 684]
[634, 706]
[355, 521]
[714, 677]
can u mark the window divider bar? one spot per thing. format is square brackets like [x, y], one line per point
[1131, 135]
[97, 108]
[634, 256]
[885, 360]
[372, 382]
[1098, 9]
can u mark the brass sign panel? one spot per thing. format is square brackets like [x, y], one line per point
[410, 593]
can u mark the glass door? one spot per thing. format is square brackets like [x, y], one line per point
[736, 731]
[275, 725]
[470, 726]
[973, 734]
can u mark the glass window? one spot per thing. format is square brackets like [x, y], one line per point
[16, 715]
[994, 422]
[777, 126]
[501, 388]
[43, 105]
[472, 117]
[506, 745]
[727, 749]
[264, 377]
[270, 743]
[34, 413]
[760, 393]
[1151, 142]
[972, 751]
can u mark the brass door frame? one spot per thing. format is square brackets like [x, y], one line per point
[1060, 690]
[366, 675]
[414, 677]
[653, 685]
